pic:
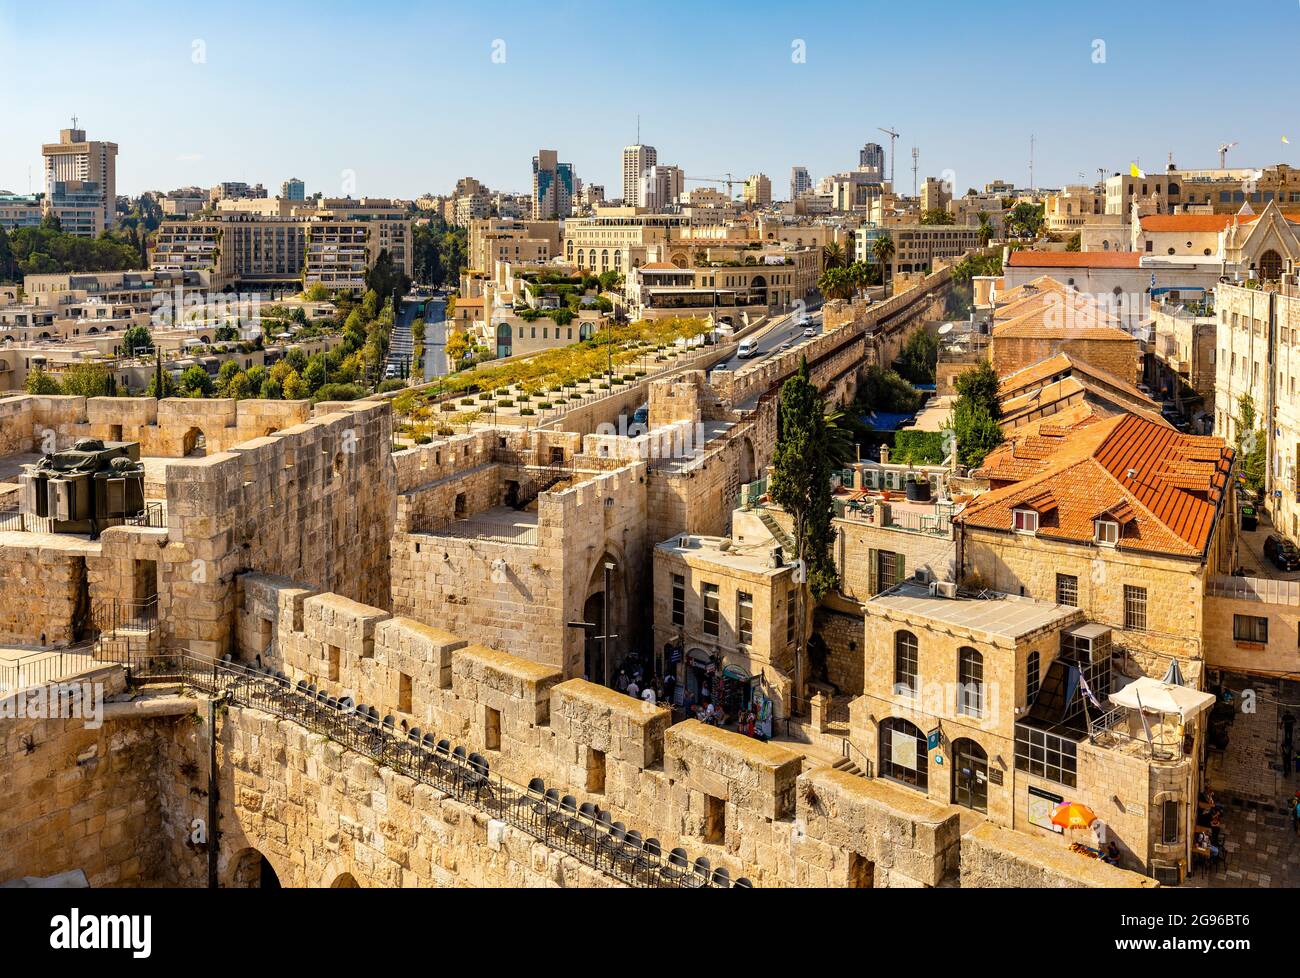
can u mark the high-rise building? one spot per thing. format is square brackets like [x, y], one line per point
[872, 158]
[553, 184]
[81, 182]
[293, 189]
[661, 186]
[637, 161]
[758, 190]
[800, 181]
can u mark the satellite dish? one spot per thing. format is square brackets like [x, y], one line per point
[945, 329]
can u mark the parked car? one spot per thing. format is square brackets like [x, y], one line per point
[809, 331]
[1284, 554]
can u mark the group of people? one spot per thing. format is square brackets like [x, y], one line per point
[644, 685]
[1208, 839]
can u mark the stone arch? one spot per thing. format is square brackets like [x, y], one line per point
[249, 868]
[748, 462]
[1270, 266]
[345, 881]
[593, 607]
[194, 444]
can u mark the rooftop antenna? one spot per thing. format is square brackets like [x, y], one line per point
[1031, 162]
[892, 137]
[638, 128]
[916, 164]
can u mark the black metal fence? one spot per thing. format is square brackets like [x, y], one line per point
[43, 667]
[581, 830]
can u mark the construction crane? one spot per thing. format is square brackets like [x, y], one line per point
[728, 181]
[1223, 154]
[892, 137]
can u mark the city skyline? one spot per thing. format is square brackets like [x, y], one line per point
[507, 54]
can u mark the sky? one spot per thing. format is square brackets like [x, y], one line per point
[397, 99]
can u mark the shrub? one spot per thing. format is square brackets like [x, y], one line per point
[526, 410]
[505, 402]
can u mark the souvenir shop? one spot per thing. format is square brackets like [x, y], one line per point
[744, 701]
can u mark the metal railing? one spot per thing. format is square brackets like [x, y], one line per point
[43, 667]
[151, 515]
[582, 831]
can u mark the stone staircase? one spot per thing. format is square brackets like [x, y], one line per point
[848, 767]
[778, 533]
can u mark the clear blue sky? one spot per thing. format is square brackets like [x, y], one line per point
[408, 96]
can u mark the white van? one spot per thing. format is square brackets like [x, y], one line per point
[747, 349]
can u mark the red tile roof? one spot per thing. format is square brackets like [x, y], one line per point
[1075, 259]
[1168, 483]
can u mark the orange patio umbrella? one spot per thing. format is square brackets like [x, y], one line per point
[1072, 815]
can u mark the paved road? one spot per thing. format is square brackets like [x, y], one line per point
[786, 332]
[435, 339]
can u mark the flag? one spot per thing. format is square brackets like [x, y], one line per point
[1136, 173]
[1083, 685]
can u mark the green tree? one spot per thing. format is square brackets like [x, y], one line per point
[985, 229]
[136, 340]
[225, 374]
[295, 388]
[835, 283]
[974, 418]
[1250, 445]
[919, 356]
[195, 382]
[801, 485]
[8, 263]
[937, 215]
[316, 373]
[168, 385]
[88, 380]
[1025, 220]
[882, 249]
[40, 382]
[833, 255]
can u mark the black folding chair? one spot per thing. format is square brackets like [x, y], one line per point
[722, 878]
[701, 872]
[743, 884]
[629, 853]
[533, 801]
[675, 871]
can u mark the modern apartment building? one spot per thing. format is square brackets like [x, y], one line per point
[19, 211]
[293, 189]
[800, 182]
[553, 186]
[518, 242]
[637, 161]
[758, 190]
[81, 182]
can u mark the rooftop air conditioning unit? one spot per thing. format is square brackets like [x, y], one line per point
[943, 589]
[922, 575]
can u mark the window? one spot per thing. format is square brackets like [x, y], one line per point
[710, 609]
[1031, 677]
[970, 679]
[1047, 755]
[1024, 520]
[904, 756]
[1135, 607]
[334, 656]
[679, 600]
[744, 618]
[403, 692]
[491, 728]
[888, 568]
[905, 664]
[1067, 590]
[1107, 533]
[791, 608]
[1248, 628]
[715, 820]
[1169, 823]
[595, 771]
[862, 872]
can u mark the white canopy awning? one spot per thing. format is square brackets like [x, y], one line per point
[1153, 696]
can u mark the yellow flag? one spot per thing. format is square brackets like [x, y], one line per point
[1135, 172]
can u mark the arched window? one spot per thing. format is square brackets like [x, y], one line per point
[903, 754]
[1270, 266]
[970, 682]
[618, 260]
[604, 260]
[1031, 678]
[906, 682]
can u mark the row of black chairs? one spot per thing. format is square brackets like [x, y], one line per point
[585, 826]
[624, 852]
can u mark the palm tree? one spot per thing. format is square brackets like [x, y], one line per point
[860, 275]
[833, 255]
[835, 283]
[985, 230]
[883, 251]
[842, 431]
